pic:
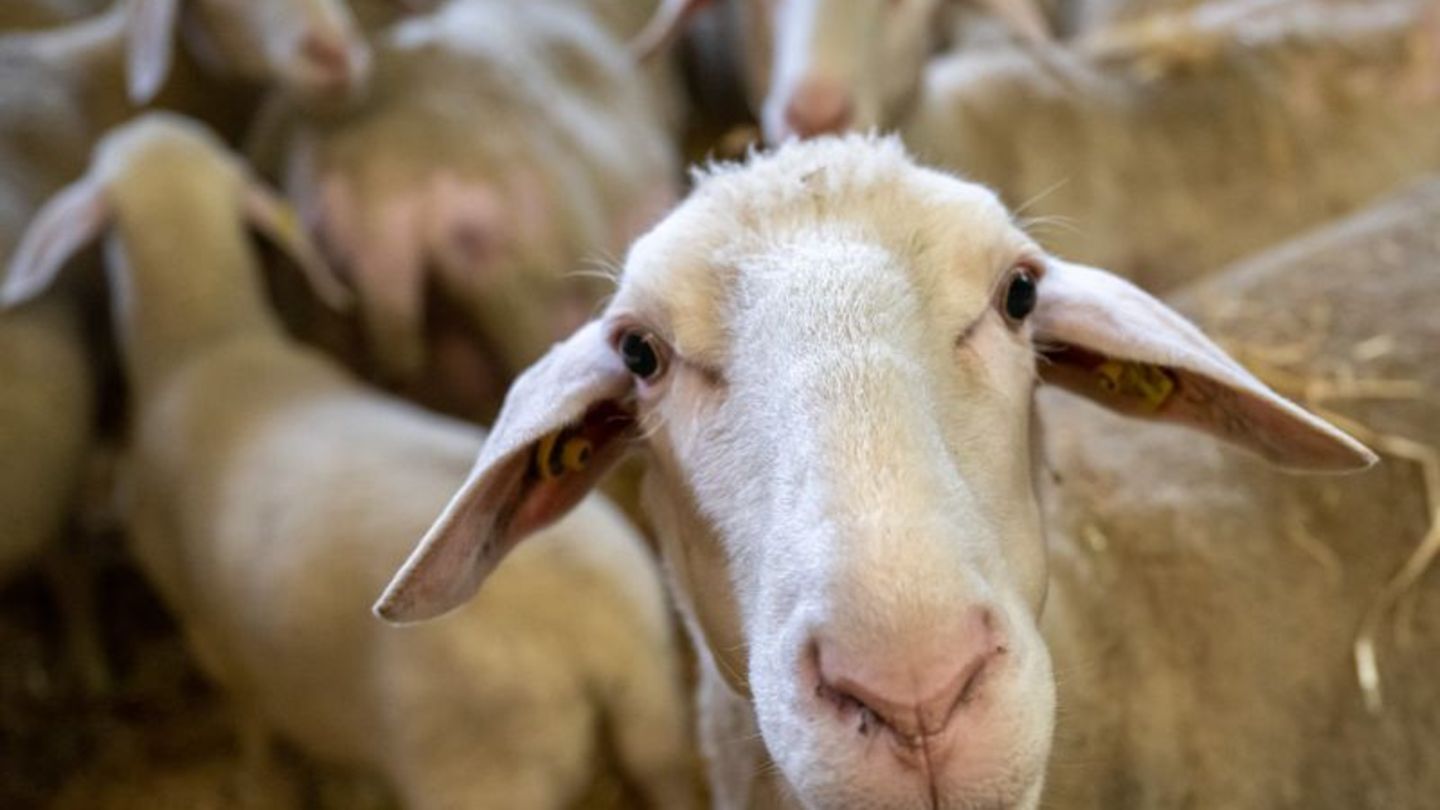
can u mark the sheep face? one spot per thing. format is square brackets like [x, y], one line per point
[311, 48]
[829, 355]
[834, 66]
[848, 397]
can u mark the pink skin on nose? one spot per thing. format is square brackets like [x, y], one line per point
[911, 692]
[329, 61]
[467, 229]
[380, 247]
[819, 106]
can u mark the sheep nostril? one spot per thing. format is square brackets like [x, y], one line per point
[918, 693]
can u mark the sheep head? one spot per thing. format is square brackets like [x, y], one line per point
[310, 48]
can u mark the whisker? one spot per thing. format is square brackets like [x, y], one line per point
[1046, 192]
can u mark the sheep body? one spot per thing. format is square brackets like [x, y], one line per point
[1171, 147]
[47, 397]
[503, 701]
[1224, 599]
[268, 496]
[45, 427]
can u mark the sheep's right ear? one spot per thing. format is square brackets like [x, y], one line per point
[277, 220]
[72, 219]
[150, 47]
[565, 422]
[1104, 338]
[664, 26]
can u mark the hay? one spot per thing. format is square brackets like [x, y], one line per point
[1398, 594]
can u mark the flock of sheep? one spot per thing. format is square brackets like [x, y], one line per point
[916, 565]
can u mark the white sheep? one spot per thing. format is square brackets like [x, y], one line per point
[817, 66]
[505, 149]
[270, 495]
[829, 356]
[1168, 148]
[60, 88]
[47, 396]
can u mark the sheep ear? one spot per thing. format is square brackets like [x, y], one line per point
[565, 422]
[664, 26]
[150, 49]
[1024, 18]
[277, 220]
[1102, 337]
[71, 220]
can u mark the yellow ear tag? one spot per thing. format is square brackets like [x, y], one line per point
[576, 454]
[556, 454]
[1152, 385]
[287, 223]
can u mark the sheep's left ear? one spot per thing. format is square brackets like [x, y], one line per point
[1102, 337]
[564, 423]
[276, 220]
[150, 47]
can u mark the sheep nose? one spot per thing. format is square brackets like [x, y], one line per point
[917, 692]
[330, 57]
[819, 106]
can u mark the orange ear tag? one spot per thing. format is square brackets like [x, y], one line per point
[1152, 385]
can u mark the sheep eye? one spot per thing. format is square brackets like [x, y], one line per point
[1020, 296]
[640, 354]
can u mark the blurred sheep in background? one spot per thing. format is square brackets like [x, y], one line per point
[268, 530]
[503, 149]
[1160, 139]
[59, 89]
[1171, 146]
[1274, 635]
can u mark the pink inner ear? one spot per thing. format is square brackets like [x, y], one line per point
[606, 428]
